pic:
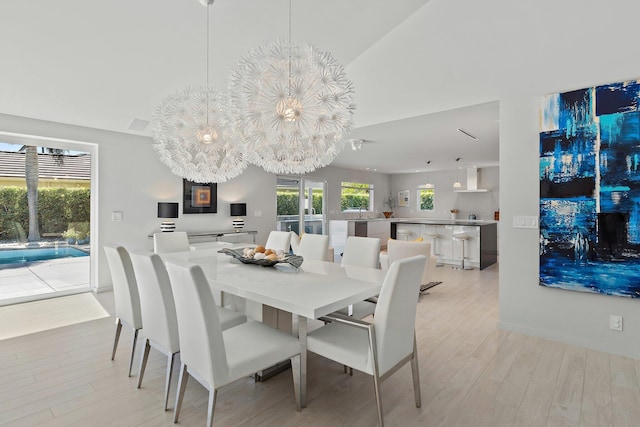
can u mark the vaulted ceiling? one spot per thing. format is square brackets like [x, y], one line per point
[105, 64]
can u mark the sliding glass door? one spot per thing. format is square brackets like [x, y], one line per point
[301, 205]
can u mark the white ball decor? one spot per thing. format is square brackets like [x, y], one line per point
[293, 105]
[193, 135]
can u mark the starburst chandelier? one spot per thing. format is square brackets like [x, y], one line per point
[294, 104]
[194, 134]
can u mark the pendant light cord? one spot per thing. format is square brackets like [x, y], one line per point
[290, 48]
[207, 64]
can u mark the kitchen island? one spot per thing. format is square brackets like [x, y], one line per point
[481, 250]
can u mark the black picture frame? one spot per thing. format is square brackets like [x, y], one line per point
[199, 198]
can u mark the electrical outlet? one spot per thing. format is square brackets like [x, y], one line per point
[116, 216]
[615, 322]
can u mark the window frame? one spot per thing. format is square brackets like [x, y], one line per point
[419, 189]
[369, 187]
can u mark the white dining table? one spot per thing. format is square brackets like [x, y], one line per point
[318, 288]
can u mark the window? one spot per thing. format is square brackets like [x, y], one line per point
[425, 198]
[356, 196]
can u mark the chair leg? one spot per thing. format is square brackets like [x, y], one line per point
[416, 375]
[376, 387]
[143, 361]
[182, 386]
[296, 370]
[133, 349]
[211, 407]
[167, 384]
[350, 371]
[117, 337]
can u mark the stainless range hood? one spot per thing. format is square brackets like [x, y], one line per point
[472, 182]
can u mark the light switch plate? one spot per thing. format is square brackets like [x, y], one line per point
[257, 214]
[521, 221]
[116, 216]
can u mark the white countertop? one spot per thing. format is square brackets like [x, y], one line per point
[423, 220]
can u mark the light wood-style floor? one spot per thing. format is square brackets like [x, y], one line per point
[472, 374]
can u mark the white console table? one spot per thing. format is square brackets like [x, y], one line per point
[218, 236]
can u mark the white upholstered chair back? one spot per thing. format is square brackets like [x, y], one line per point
[177, 241]
[399, 249]
[156, 300]
[125, 288]
[279, 240]
[395, 314]
[201, 344]
[361, 251]
[295, 242]
[314, 247]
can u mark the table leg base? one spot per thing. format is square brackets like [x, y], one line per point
[274, 370]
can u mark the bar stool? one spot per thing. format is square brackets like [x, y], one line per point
[462, 237]
[403, 234]
[435, 237]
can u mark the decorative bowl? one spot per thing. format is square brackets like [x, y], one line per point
[294, 260]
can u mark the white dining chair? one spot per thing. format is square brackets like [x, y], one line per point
[398, 249]
[314, 247]
[177, 241]
[158, 313]
[388, 343]
[295, 242]
[126, 296]
[214, 357]
[362, 252]
[279, 240]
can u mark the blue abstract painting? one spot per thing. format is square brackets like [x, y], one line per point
[590, 190]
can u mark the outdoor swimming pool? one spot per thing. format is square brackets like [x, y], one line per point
[21, 256]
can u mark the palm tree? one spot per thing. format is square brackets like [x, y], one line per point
[32, 175]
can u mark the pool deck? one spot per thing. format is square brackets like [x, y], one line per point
[35, 279]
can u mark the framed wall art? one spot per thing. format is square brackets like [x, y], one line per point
[403, 198]
[199, 198]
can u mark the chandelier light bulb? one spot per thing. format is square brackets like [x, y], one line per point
[289, 109]
[207, 135]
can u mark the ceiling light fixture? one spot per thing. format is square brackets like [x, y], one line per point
[429, 184]
[193, 132]
[294, 105]
[356, 144]
[457, 183]
[475, 138]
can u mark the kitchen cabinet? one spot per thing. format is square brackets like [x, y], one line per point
[481, 250]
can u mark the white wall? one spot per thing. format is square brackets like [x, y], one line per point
[335, 177]
[463, 52]
[482, 204]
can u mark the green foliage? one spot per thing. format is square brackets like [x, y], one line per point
[426, 199]
[354, 201]
[71, 233]
[57, 207]
[81, 228]
[355, 195]
[288, 202]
